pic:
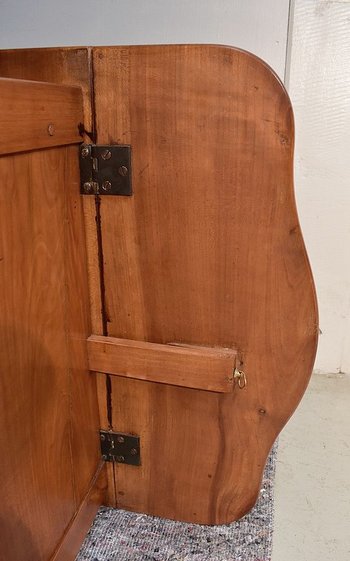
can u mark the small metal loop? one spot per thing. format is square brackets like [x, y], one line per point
[242, 382]
[241, 378]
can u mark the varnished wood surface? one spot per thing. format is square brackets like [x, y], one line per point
[81, 523]
[38, 115]
[200, 368]
[48, 410]
[71, 66]
[83, 392]
[208, 251]
[68, 66]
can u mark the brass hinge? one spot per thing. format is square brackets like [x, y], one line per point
[120, 447]
[105, 169]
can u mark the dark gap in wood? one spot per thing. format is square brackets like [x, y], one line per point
[101, 265]
[100, 242]
[109, 400]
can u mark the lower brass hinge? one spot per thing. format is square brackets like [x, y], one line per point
[105, 169]
[120, 447]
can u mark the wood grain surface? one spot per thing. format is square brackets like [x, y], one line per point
[38, 115]
[201, 368]
[208, 251]
[75, 534]
[71, 66]
[48, 409]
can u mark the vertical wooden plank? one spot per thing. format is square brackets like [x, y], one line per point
[104, 388]
[37, 483]
[71, 66]
[83, 391]
[208, 251]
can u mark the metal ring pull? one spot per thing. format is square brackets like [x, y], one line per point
[241, 378]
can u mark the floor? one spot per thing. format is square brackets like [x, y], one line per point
[312, 490]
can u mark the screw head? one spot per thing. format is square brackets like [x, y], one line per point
[51, 129]
[120, 439]
[106, 154]
[104, 457]
[123, 171]
[102, 437]
[120, 459]
[85, 151]
[133, 451]
[88, 187]
[107, 186]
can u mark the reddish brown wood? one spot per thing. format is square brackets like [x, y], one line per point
[201, 368]
[208, 251]
[38, 115]
[48, 453]
[81, 523]
[70, 66]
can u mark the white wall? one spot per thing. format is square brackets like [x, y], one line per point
[256, 25]
[319, 86]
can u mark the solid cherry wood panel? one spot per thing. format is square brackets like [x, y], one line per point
[83, 391]
[200, 368]
[68, 66]
[208, 251]
[49, 438]
[71, 66]
[38, 115]
[232, 121]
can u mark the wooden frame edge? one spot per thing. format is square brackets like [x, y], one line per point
[201, 368]
[80, 524]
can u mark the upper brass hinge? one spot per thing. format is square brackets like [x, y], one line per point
[105, 169]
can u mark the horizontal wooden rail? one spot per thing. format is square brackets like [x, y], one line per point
[37, 115]
[202, 368]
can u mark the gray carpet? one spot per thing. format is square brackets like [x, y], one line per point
[117, 535]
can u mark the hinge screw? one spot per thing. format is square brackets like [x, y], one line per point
[106, 154]
[102, 437]
[104, 457]
[120, 459]
[123, 171]
[120, 439]
[107, 186]
[133, 451]
[85, 151]
[88, 187]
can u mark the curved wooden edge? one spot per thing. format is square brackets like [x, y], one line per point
[271, 315]
[38, 115]
[75, 534]
[201, 368]
[266, 426]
